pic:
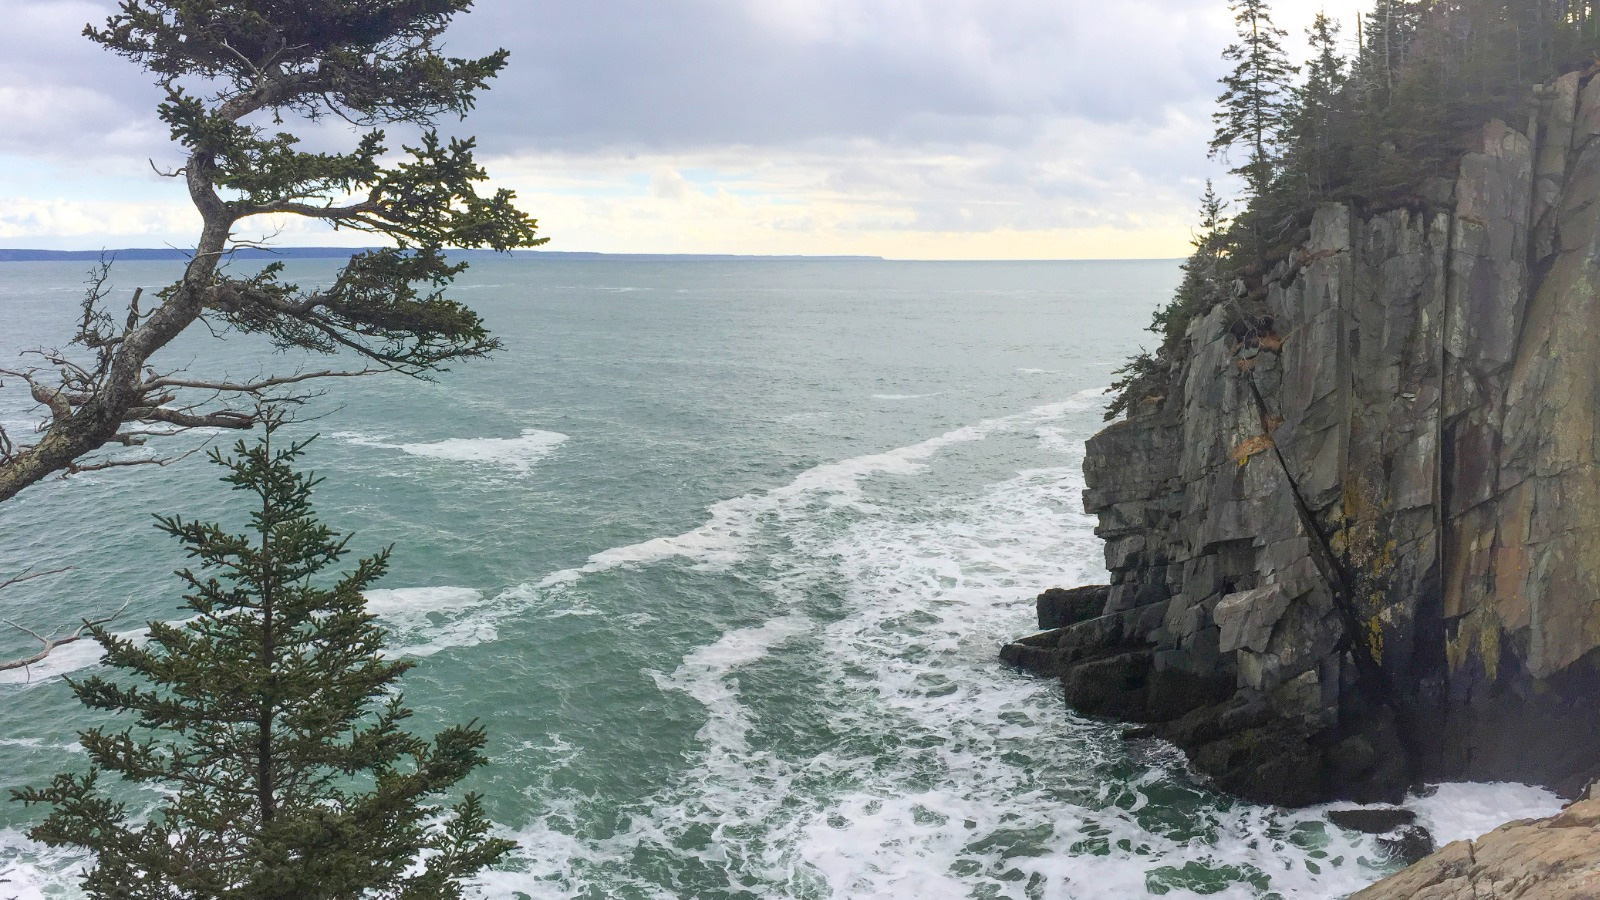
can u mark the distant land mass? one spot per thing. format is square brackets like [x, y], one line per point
[169, 253]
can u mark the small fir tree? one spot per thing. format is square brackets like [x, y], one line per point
[1256, 101]
[272, 723]
[1318, 112]
[1146, 376]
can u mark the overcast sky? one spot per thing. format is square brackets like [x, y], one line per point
[955, 129]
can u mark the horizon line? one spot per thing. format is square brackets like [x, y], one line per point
[162, 254]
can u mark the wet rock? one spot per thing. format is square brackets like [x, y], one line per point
[1372, 821]
[1548, 859]
[1059, 607]
[1409, 846]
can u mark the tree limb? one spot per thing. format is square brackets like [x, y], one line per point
[51, 643]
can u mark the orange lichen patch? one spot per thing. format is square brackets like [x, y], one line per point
[1243, 452]
[1272, 423]
[1245, 365]
[1271, 341]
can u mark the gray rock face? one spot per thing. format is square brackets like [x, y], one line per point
[1359, 545]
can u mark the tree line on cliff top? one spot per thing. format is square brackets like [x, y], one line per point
[1364, 120]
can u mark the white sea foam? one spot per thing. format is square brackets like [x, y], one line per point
[905, 396]
[32, 871]
[950, 777]
[705, 676]
[1059, 440]
[1459, 812]
[518, 454]
[733, 523]
[64, 660]
[424, 620]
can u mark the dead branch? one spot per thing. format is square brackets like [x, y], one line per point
[54, 641]
[256, 387]
[29, 574]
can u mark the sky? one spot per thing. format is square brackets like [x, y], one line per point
[911, 129]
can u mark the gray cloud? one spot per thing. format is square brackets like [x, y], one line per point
[937, 115]
[697, 72]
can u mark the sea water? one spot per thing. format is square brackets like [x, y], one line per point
[722, 554]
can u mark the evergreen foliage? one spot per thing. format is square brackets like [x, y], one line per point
[1254, 107]
[1368, 129]
[238, 77]
[273, 724]
[1146, 376]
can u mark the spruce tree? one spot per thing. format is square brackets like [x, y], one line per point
[272, 723]
[1319, 106]
[1146, 375]
[1255, 101]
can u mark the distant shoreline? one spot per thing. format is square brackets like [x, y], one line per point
[164, 254]
[159, 254]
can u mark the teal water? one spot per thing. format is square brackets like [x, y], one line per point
[722, 554]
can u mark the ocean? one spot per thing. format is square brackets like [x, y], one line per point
[722, 553]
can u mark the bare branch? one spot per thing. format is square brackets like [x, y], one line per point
[51, 643]
[353, 212]
[159, 461]
[29, 574]
[256, 387]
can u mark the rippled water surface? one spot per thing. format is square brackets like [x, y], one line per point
[722, 553]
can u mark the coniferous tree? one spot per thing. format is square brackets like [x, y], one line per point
[273, 724]
[1425, 78]
[1146, 375]
[239, 76]
[1317, 115]
[1255, 103]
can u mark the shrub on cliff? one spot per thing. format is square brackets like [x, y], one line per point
[270, 722]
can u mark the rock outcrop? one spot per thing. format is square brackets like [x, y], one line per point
[1357, 545]
[1548, 859]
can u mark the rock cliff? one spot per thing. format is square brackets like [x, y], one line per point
[1357, 544]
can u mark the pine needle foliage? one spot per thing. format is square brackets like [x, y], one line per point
[1253, 111]
[244, 81]
[1146, 377]
[272, 722]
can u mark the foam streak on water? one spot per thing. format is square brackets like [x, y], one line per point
[948, 776]
[734, 523]
[518, 454]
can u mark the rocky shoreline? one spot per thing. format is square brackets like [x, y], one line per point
[1546, 859]
[1355, 547]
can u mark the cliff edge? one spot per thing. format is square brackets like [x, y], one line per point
[1356, 545]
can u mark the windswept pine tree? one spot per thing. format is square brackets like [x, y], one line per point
[1254, 106]
[272, 724]
[239, 78]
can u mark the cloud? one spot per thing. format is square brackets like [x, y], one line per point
[734, 125]
[23, 218]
